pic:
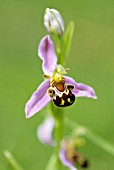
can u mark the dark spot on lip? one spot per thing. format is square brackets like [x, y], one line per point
[64, 97]
[57, 101]
[85, 164]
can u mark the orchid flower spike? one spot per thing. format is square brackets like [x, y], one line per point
[57, 87]
[53, 21]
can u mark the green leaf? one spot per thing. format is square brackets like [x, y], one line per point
[67, 39]
[12, 161]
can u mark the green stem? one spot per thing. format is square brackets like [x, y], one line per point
[59, 48]
[93, 137]
[52, 163]
[59, 128]
[59, 131]
[58, 116]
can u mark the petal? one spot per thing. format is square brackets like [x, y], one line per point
[81, 90]
[44, 131]
[47, 54]
[38, 100]
[65, 161]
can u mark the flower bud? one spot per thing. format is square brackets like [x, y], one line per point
[53, 21]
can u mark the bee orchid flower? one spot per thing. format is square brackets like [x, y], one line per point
[70, 158]
[57, 87]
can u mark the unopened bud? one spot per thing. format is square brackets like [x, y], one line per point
[53, 21]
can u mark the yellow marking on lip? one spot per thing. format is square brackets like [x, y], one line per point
[62, 102]
[69, 100]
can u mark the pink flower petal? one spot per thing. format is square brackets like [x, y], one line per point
[44, 131]
[65, 161]
[38, 100]
[81, 90]
[47, 54]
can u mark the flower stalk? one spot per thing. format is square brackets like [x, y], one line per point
[59, 49]
[58, 116]
[59, 128]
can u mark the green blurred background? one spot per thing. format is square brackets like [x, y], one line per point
[91, 61]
